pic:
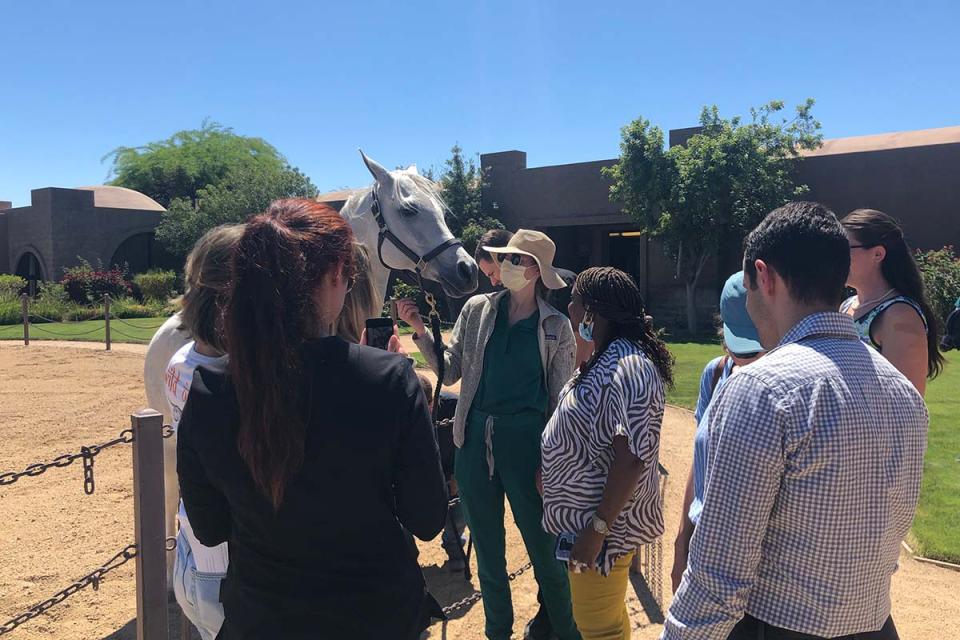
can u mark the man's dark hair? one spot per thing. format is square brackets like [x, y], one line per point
[806, 244]
[491, 238]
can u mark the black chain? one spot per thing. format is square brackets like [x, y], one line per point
[477, 596]
[87, 454]
[88, 484]
[92, 579]
[65, 460]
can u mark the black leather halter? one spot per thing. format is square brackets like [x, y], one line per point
[419, 261]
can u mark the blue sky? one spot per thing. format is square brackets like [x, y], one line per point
[405, 81]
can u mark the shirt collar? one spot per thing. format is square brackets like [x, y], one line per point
[824, 323]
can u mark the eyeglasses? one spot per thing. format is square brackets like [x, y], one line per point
[862, 246]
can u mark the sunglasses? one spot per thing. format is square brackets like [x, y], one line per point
[516, 259]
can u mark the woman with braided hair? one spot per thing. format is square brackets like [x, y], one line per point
[601, 448]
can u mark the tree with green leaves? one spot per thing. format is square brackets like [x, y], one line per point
[460, 183]
[715, 187]
[206, 177]
[243, 191]
[190, 160]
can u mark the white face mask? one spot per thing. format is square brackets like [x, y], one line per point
[512, 276]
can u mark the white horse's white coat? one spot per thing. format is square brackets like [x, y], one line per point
[402, 189]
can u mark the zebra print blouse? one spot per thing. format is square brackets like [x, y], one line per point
[621, 395]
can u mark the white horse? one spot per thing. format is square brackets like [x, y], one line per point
[400, 221]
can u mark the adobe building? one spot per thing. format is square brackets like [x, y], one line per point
[109, 225]
[913, 176]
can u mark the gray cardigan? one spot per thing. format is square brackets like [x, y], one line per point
[463, 357]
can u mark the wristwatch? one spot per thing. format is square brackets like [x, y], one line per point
[600, 525]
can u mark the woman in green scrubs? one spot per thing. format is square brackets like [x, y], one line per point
[513, 353]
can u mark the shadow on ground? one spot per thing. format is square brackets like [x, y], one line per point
[179, 627]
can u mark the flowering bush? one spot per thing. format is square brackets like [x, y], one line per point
[941, 279]
[86, 285]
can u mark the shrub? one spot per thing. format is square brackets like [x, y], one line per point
[11, 287]
[472, 232]
[130, 308]
[52, 292]
[941, 279]
[46, 311]
[10, 312]
[156, 285]
[86, 285]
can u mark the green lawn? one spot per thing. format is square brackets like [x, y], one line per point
[691, 358]
[135, 330]
[938, 516]
[936, 529]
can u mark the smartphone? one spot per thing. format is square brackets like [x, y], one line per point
[379, 331]
[565, 545]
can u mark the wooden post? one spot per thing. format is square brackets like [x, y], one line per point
[106, 319]
[25, 310]
[150, 534]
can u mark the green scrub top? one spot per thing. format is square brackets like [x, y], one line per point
[512, 382]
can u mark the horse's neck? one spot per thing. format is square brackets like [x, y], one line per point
[367, 233]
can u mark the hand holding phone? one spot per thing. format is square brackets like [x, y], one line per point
[378, 332]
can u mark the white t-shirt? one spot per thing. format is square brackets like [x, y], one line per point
[178, 378]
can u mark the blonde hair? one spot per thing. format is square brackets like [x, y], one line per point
[360, 302]
[207, 278]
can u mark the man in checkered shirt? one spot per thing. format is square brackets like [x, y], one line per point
[816, 453]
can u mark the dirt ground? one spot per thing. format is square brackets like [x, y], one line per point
[55, 398]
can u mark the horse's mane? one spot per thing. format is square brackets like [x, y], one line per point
[409, 189]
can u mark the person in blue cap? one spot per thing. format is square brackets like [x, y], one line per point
[742, 345]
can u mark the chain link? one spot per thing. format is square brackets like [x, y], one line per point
[477, 596]
[65, 460]
[92, 579]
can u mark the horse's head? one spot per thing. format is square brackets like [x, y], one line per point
[413, 232]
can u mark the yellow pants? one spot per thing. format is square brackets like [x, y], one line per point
[599, 603]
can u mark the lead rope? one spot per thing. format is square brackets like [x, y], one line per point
[437, 347]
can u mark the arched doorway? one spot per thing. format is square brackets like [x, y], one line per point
[142, 252]
[30, 269]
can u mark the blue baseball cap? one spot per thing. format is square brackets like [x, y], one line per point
[739, 334]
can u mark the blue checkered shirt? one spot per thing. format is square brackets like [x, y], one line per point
[816, 453]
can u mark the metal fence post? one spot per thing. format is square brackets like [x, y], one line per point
[106, 319]
[148, 510]
[25, 310]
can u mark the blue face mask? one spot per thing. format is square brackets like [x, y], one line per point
[586, 330]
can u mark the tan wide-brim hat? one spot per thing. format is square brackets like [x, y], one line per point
[539, 247]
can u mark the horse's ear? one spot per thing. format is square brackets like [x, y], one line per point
[412, 170]
[381, 175]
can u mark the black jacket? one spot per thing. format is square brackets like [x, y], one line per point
[332, 562]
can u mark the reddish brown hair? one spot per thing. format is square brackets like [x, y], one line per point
[270, 312]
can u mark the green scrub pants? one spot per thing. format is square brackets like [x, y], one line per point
[512, 445]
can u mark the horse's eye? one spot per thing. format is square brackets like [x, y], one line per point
[408, 212]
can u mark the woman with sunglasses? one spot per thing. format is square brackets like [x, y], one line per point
[513, 352]
[890, 310]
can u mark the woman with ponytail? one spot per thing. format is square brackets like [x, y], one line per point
[890, 310]
[311, 454]
[601, 448]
